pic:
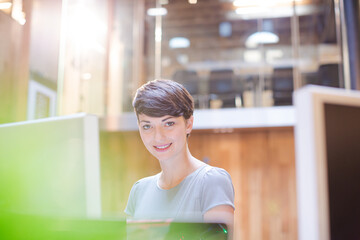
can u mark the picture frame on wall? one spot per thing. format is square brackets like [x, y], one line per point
[41, 101]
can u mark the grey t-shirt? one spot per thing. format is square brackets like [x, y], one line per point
[200, 191]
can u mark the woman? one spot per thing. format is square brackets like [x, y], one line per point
[186, 189]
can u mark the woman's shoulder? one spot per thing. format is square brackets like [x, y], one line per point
[215, 172]
[217, 176]
[145, 182]
[210, 175]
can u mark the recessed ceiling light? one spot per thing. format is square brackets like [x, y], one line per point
[156, 11]
[179, 42]
[261, 38]
[86, 76]
[225, 29]
[251, 10]
[5, 5]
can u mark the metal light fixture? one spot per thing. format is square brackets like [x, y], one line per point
[261, 38]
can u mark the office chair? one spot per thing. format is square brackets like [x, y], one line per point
[282, 86]
[328, 75]
[222, 87]
[190, 80]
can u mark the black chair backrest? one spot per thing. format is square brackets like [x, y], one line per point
[189, 79]
[282, 86]
[283, 79]
[221, 81]
[328, 75]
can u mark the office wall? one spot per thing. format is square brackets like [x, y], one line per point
[261, 163]
[14, 69]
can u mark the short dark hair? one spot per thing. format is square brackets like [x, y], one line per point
[162, 97]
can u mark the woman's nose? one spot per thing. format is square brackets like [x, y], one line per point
[159, 134]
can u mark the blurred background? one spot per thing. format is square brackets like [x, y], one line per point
[59, 57]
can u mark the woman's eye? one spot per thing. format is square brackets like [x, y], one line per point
[168, 124]
[146, 127]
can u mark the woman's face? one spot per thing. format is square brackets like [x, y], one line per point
[165, 137]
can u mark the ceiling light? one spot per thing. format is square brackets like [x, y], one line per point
[179, 42]
[247, 3]
[251, 10]
[156, 11]
[225, 29]
[19, 17]
[86, 29]
[244, 3]
[261, 38]
[193, 1]
[86, 76]
[5, 5]
[22, 21]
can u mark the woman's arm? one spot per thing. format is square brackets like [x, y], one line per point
[222, 214]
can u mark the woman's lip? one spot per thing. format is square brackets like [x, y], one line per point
[162, 148]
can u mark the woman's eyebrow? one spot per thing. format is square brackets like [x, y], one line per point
[145, 121]
[166, 119]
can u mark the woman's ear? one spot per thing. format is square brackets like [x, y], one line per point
[189, 125]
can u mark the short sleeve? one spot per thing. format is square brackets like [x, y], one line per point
[131, 204]
[218, 189]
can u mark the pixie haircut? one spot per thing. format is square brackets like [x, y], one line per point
[162, 97]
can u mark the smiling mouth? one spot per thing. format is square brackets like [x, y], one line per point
[161, 148]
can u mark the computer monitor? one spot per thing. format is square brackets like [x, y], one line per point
[327, 139]
[166, 230]
[17, 226]
[50, 167]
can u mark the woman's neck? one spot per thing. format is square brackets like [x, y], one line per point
[176, 170]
